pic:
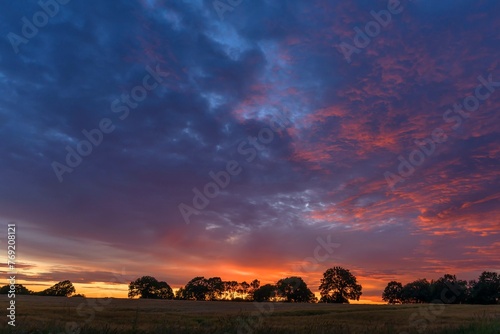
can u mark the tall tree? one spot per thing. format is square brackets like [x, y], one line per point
[244, 286]
[254, 285]
[215, 287]
[232, 288]
[338, 285]
[392, 293]
[294, 289]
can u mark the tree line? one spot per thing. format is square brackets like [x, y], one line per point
[61, 289]
[447, 289]
[338, 285]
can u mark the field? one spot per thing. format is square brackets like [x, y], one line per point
[36, 314]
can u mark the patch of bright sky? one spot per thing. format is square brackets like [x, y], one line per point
[214, 100]
[230, 41]
[278, 79]
[211, 226]
[102, 289]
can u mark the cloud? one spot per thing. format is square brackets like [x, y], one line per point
[344, 126]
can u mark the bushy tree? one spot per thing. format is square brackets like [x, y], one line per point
[294, 289]
[416, 292]
[61, 289]
[197, 289]
[486, 290]
[338, 285]
[18, 288]
[392, 293]
[215, 288]
[150, 288]
[163, 291]
[265, 293]
[449, 290]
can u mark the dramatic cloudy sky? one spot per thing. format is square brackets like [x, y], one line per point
[316, 134]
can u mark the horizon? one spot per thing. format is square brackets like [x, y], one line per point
[122, 290]
[249, 140]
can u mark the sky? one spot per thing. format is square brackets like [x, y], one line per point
[249, 139]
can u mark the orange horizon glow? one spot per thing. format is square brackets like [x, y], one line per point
[95, 290]
[120, 290]
[373, 282]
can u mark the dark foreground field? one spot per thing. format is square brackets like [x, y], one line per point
[77, 315]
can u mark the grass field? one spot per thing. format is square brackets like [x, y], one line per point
[36, 314]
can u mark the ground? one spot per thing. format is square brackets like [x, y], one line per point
[35, 314]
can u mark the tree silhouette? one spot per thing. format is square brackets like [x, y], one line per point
[61, 289]
[255, 284]
[338, 285]
[265, 293]
[215, 288]
[418, 291]
[449, 290]
[231, 287]
[486, 290]
[150, 288]
[197, 289]
[18, 288]
[392, 293]
[294, 289]
[163, 291]
[244, 286]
